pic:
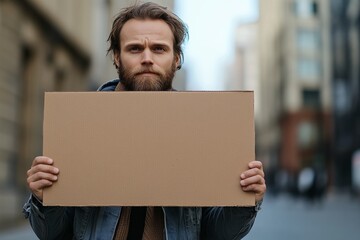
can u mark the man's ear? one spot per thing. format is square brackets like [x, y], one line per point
[177, 62]
[117, 59]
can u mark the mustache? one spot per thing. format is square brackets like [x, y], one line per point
[147, 70]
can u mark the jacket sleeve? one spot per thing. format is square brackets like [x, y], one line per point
[227, 222]
[49, 222]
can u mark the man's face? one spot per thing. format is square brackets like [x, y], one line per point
[147, 61]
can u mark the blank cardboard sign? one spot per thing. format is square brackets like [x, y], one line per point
[149, 148]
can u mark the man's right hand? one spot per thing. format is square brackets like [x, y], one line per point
[42, 174]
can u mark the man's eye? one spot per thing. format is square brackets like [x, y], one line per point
[159, 49]
[135, 49]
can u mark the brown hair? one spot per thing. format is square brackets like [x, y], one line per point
[149, 10]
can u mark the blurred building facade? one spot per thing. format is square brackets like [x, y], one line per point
[45, 46]
[345, 32]
[37, 54]
[243, 73]
[294, 127]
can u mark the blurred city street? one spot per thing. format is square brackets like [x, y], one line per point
[21, 232]
[299, 58]
[284, 217]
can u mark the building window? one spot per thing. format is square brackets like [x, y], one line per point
[306, 8]
[309, 69]
[314, 8]
[307, 134]
[311, 98]
[308, 40]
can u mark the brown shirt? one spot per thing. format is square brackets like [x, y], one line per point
[154, 224]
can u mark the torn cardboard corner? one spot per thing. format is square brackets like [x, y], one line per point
[149, 148]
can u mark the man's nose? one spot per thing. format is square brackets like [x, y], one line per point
[147, 57]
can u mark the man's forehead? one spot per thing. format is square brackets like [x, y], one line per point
[139, 29]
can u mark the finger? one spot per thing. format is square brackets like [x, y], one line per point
[42, 160]
[255, 188]
[255, 164]
[40, 185]
[43, 168]
[257, 179]
[252, 172]
[37, 183]
[42, 176]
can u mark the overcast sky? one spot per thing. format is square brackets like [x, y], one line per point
[211, 26]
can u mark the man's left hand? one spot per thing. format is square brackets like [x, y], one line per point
[253, 180]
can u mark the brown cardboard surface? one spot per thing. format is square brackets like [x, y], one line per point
[149, 148]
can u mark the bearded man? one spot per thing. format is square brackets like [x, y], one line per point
[146, 43]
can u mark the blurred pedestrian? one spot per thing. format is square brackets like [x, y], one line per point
[312, 183]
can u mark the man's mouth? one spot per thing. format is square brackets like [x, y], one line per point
[147, 73]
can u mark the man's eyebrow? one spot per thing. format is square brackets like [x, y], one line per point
[152, 43]
[164, 45]
[160, 43]
[134, 44]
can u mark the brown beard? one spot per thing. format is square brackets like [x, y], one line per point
[158, 82]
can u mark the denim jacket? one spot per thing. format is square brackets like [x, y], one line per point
[100, 223]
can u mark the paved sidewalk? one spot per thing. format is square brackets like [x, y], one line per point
[22, 232]
[285, 217]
